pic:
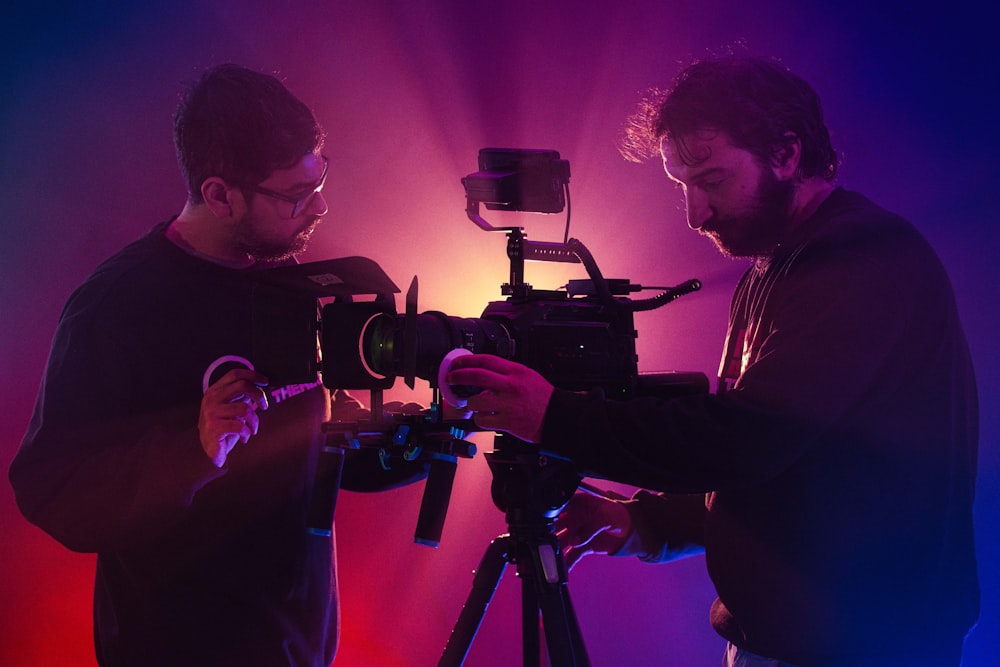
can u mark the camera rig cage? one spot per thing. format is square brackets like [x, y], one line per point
[580, 337]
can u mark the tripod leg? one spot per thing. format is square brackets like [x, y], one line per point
[484, 585]
[531, 647]
[562, 630]
[551, 595]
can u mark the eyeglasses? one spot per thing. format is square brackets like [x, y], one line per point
[299, 203]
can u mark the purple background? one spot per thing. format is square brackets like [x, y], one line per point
[409, 91]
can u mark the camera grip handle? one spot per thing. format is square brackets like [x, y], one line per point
[437, 494]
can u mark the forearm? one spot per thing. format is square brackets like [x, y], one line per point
[692, 444]
[94, 493]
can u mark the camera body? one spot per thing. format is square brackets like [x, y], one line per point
[576, 343]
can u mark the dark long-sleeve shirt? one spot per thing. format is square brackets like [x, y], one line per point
[196, 565]
[839, 456]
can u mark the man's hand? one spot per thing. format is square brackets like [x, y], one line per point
[229, 412]
[591, 525]
[513, 397]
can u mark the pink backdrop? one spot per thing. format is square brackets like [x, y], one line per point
[409, 92]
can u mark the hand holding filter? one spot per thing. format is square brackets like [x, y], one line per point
[455, 395]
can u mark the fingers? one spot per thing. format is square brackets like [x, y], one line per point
[490, 362]
[577, 523]
[521, 418]
[229, 412]
[573, 547]
[573, 555]
[590, 524]
[486, 371]
[494, 421]
[240, 385]
[513, 399]
[239, 419]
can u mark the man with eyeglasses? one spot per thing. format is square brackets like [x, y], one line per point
[156, 444]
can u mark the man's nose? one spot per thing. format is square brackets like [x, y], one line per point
[318, 205]
[698, 209]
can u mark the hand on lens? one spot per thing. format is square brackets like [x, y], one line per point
[591, 525]
[513, 397]
[229, 412]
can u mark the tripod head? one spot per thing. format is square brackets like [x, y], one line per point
[529, 486]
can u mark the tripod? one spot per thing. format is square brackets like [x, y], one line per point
[530, 488]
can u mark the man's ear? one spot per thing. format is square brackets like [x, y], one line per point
[223, 200]
[786, 157]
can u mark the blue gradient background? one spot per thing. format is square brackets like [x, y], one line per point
[409, 92]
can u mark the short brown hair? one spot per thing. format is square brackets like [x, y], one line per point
[240, 125]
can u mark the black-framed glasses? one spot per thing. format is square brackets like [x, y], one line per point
[299, 203]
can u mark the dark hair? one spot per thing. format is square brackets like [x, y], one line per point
[753, 100]
[240, 125]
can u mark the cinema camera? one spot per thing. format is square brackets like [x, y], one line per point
[580, 337]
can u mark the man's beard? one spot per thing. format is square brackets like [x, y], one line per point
[261, 249]
[758, 231]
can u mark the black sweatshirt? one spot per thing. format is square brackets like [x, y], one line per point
[196, 565]
[838, 457]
